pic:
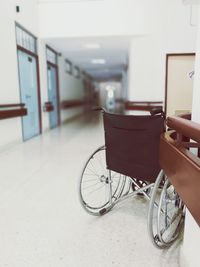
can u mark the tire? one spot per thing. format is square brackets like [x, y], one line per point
[166, 213]
[99, 187]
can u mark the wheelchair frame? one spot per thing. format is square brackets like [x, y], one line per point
[164, 224]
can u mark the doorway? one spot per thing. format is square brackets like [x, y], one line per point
[29, 82]
[179, 83]
[53, 90]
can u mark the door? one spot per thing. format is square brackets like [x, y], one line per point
[29, 94]
[179, 84]
[52, 95]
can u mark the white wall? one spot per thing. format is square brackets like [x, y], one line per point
[71, 88]
[191, 243]
[172, 34]
[28, 15]
[10, 129]
[111, 17]
[146, 70]
[95, 18]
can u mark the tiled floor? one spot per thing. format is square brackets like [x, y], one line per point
[41, 221]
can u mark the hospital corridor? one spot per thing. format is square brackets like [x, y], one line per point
[99, 133]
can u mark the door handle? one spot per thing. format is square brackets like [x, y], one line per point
[28, 96]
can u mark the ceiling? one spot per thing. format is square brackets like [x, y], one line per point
[191, 2]
[63, 1]
[81, 51]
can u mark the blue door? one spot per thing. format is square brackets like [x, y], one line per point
[29, 94]
[52, 94]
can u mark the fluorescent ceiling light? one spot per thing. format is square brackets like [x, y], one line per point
[98, 61]
[92, 46]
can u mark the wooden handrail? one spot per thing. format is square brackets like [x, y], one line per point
[143, 105]
[48, 106]
[185, 127]
[149, 103]
[183, 170]
[12, 110]
[186, 116]
[65, 104]
[12, 105]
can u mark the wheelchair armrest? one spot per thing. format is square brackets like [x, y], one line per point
[97, 108]
[156, 110]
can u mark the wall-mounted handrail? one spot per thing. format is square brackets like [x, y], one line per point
[144, 102]
[12, 110]
[185, 127]
[143, 105]
[180, 165]
[12, 105]
[48, 106]
[186, 116]
[73, 103]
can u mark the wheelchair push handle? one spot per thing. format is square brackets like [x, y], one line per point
[156, 110]
[98, 108]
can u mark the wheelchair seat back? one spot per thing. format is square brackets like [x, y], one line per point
[132, 144]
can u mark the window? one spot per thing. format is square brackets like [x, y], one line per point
[51, 55]
[26, 39]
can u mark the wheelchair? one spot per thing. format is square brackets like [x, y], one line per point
[128, 165]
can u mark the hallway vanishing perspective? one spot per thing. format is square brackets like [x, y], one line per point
[100, 133]
[42, 222]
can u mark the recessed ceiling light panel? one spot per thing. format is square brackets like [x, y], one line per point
[98, 61]
[92, 46]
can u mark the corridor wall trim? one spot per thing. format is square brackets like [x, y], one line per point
[12, 110]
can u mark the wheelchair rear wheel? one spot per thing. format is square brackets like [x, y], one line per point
[99, 187]
[166, 213]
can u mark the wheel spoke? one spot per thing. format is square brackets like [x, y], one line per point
[93, 172]
[100, 163]
[89, 186]
[90, 174]
[95, 190]
[96, 193]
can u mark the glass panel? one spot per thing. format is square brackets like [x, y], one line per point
[51, 56]
[25, 39]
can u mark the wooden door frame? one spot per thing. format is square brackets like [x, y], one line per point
[166, 72]
[57, 88]
[26, 51]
